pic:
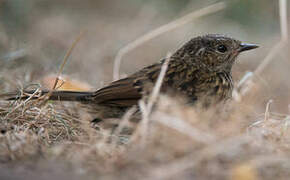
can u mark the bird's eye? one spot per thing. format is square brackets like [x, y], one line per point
[222, 48]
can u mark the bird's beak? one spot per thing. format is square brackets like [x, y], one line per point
[246, 47]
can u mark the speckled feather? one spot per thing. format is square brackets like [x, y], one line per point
[199, 70]
[191, 71]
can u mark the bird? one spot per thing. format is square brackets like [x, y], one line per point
[200, 70]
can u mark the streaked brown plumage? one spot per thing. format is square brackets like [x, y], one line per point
[200, 70]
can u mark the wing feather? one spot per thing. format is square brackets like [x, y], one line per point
[119, 93]
[127, 91]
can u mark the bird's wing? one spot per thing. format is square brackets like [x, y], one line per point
[119, 93]
[126, 92]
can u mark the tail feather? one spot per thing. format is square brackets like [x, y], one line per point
[55, 95]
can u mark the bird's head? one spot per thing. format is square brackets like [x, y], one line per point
[213, 52]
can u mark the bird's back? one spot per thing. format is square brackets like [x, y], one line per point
[187, 80]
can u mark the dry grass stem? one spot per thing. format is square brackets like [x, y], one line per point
[146, 109]
[184, 128]
[162, 138]
[156, 90]
[267, 111]
[283, 19]
[22, 103]
[163, 29]
[65, 59]
[125, 120]
[284, 38]
[143, 128]
[279, 47]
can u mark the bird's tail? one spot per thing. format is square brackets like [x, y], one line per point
[53, 95]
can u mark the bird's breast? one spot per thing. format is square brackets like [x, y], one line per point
[213, 88]
[223, 86]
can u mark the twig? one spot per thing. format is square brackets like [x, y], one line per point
[163, 29]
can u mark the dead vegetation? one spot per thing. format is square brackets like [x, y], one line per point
[248, 139]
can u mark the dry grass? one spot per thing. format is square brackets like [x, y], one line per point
[239, 141]
[163, 29]
[179, 142]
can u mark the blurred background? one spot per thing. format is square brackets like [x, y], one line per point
[40, 142]
[35, 35]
